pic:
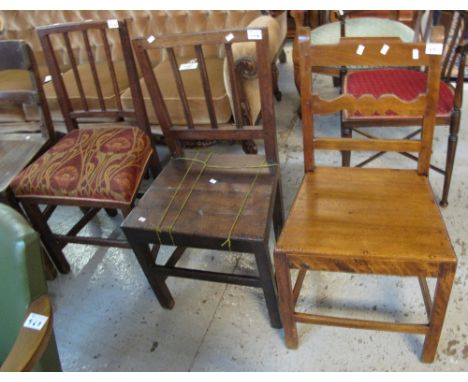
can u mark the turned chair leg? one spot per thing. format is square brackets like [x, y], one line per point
[286, 303]
[451, 150]
[441, 298]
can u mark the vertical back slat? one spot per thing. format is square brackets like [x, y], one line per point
[265, 79]
[111, 67]
[306, 102]
[234, 81]
[76, 73]
[59, 85]
[180, 87]
[206, 85]
[92, 64]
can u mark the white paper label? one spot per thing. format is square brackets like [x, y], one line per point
[360, 49]
[213, 181]
[434, 48]
[27, 137]
[229, 37]
[385, 49]
[415, 54]
[192, 64]
[142, 219]
[254, 34]
[150, 39]
[35, 321]
[341, 13]
[47, 78]
[112, 24]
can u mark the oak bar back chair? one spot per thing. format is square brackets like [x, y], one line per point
[209, 200]
[405, 82]
[97, 165]
[366, 220]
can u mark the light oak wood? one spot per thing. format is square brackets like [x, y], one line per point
[30, 344]
[365, 220]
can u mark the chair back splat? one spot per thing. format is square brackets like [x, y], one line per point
[368, 52]
[81, 95]
[240, 129]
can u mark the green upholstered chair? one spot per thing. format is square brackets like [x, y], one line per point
[23, 290]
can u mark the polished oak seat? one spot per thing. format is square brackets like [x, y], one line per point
[366, 220]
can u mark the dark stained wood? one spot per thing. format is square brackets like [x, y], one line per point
[180, 87]
[365, 220]
[92, 63]
[211, 201]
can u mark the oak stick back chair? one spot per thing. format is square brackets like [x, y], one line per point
[406, 83]
[361, 220]
[95, 165]
[210, 200]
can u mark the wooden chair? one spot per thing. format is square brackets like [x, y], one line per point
[96, 165]
[406, 84]
[209, 200]
[19, 146]
[353, 24]
[23, 290]
[363, 220]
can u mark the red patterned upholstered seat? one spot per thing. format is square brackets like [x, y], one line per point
[406, 84]
[102, 164]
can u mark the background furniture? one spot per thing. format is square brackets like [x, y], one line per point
[210, 200]
[331, 32]
[360, 220]
[23, 290]
[21, 145]
[23, 24]
[407, 84]
[97, 166]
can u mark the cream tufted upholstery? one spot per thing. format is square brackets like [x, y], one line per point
[22, 25]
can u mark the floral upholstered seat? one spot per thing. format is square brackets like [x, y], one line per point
[102, 164]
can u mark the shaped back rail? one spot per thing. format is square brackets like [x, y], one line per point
[266, 131]
[71, 34]
[368, 52]
[17, 55]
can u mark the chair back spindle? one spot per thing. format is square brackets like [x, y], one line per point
[165, 46]
[102, 71]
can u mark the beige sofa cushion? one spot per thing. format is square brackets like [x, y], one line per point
[89, 87]
[193, 89]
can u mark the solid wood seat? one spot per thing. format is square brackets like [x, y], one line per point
[366, 215]
[204, 200]
[213, 206]
[367, 220]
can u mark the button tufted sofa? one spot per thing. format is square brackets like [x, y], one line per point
[22, 25]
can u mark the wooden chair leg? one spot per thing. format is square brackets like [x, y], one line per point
[439, 307]
[52, 247]
[275, 75]
[451, 150]
[346, 155]
[265, 270]
[282, 56]
[286, 306]
[278, 211]
[146, 259]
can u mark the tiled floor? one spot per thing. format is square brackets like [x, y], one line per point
[108, 319]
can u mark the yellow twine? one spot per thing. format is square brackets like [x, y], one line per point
[260, 166]
[171, 227]
[241, 209]
[163, 216]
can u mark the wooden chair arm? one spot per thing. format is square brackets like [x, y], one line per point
[30, 344]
